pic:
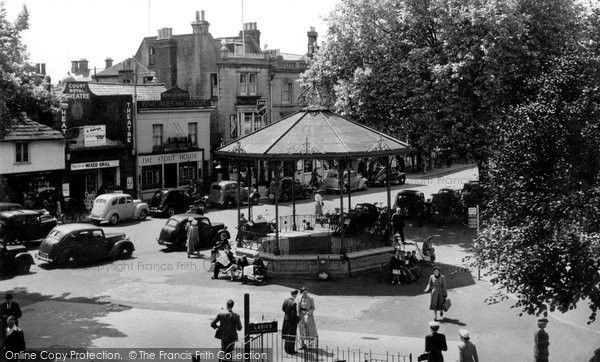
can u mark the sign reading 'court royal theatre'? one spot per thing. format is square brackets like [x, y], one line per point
[77, 90]
[170, 158]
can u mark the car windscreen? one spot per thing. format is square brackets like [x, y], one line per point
[55, 234]
[216, 187]
[100, 201]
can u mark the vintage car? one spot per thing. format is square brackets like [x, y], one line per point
[10, 206]
[115, 207]
[357, 182]
[25, 225]
[378, 177]
[286, 191]
[14, 258]
[364, 215]
[446, 202]
[225, 194]
[174, 201]
[411, 202]
[77, 244]
[173, 235]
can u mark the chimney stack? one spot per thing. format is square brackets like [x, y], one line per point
[312, 42]
[74, 67]
[251, 30]
[200, 25]
[108, 62]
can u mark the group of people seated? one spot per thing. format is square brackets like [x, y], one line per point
[240, 268]
[405, 267]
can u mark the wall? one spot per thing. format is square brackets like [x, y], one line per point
[171, 118]
[43, 155]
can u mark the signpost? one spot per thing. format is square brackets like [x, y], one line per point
[474, 217]
[261, 107]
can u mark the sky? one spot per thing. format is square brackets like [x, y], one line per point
[64, 30]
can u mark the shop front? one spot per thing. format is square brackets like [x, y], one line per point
[169, 170]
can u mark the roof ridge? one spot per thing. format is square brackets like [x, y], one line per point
[334, 132]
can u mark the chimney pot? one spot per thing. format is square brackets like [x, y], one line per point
[202, 16]
[197, 15]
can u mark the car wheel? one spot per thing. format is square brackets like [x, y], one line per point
[23, 266]
[114, 220]
[402, 180]
[364, 187]
[254, 200]
[229, 203]
[306, 194]
[143, 215]
[125, 252]
[285, 197]
[171, 211]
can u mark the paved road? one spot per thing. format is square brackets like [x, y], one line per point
[162, 299]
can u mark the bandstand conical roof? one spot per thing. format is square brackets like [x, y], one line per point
[313, 132]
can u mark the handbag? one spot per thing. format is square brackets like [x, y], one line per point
[447, 304]
[423, 357]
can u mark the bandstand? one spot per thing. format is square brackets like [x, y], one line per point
[317, 133]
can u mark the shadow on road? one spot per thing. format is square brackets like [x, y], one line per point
[67, 322]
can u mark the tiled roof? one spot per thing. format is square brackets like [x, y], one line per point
[30, 130]
[144, 92]
[127, 64]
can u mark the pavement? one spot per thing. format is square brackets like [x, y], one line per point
[162, 299]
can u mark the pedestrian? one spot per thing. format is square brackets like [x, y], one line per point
[193, 237]
[318, 206]
[307, 325]
[541, 341]
[398, 224]
[435, 343]
[467, 352]
[227, 324]
[383, 222]
[223, 261]
[14, 342]
[9, 309]
[243, 220]
[314, 179]
[290, 323]
[437, 286]
[395, 264]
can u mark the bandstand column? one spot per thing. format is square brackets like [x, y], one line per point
[276, 169]
[389, 193]
[238, 203]
[349, 192]
[341, 219]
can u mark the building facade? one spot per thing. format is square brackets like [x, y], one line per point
[33, 160]
[173, 142]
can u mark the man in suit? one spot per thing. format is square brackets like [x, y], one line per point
[435, 343]
[7, 309]
[227, 324]
[398, 224]
[290, 323]
[542, 341]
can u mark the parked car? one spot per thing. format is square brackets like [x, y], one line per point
[363, 215]
[411, 202]
[472, 194]
[174, 201]
[25, 225]
[10, 206]
[115, 207]
[14, 258]
[173, 235]
[286, 191]
[447, 202]
[378, 177]
[77, 244]
[225, 194]
[357, 182]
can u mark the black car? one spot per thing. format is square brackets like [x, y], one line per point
[10, 206]
[14, 258]
[411, 202]
[173, 234]
[287, 190]
[378, 177]
[447, 202]
[174, 201]
[364, 215]
[76, 244]
[25, 225]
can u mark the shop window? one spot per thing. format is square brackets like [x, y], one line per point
[214, 85]
[247, 84]
[286, 91]
[187, 172]
[157, 134]
[193, 132]
[151, 176]
[22, 152]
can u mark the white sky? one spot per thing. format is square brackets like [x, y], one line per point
[65, 30]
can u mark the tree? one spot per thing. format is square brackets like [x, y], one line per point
[23, 92]
[542, 238]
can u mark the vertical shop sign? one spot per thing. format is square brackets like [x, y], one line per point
[129, 124]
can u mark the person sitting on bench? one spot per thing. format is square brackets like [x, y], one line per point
[224, 261]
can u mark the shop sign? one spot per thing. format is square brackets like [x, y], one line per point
[170, 158]
[129, 124]
[77, 90]
[129, 182]
[94, 136]
[63, 120]
[94, 164]
[263, 327]
[89, 200]
[65, 190]
[174, 103]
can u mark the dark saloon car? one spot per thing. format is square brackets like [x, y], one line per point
[25, 225]
[286, 191]
[14, 258]
[411, 202]
[173, 201]
[77, 244]
[173, 235]
[378, 177]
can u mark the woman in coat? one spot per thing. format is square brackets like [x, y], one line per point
[437, 286]
[318, 206]
[396, 265]
[307, 326]
[193, 237]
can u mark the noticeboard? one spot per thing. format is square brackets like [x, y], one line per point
[473, 213]
[263, 327]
